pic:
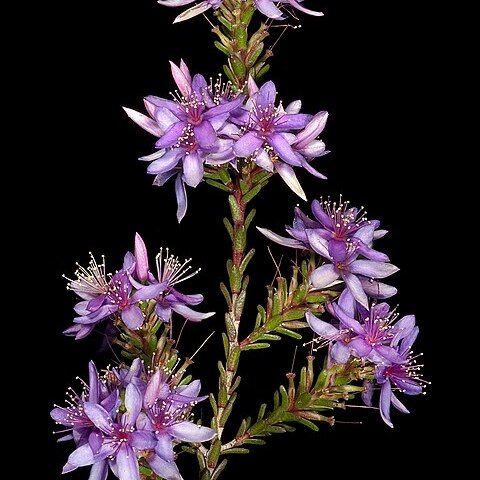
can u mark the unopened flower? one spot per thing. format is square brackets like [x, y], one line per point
[197, 9]
[270, 8]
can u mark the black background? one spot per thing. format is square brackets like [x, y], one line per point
[363, 62]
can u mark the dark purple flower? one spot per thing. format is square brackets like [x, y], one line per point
[193, 130]
[373, 331]
[404, 376]
[168, 416]
[269, 137]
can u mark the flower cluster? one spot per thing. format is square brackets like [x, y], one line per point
[123, 296]
[343, 237]
[130, 418]
[210, 124]
[270, 8]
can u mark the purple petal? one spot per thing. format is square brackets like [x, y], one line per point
[205, 134]
[284, 150]
[340, 352]
[367, 394]
[99, 416]
[171, 135]
[157, 389]
[166, 163]
[347, 303]
[324, 329]
[347, 320]
[93, 382]
[132, 317]
[193, 11]
[294, 121]
[312, 130]
[148, 292]
[323, 276]
[297, 5]
[316, 148]
[247, 145]
[190, 390]
[127, 464]
[166, 470]
[99, 471]
[162, 178]
[133, 404]
[365, 234]
[165, 118]
[263, 160]
[372, 269]
[79, 331]
[398, 404]
[318, 243]
[372, 254]
[377, 289]
[408, 342]
[181, 197]
[145, 122]
[164, 447]
[151, 102]
[338, 250]
[199, 85]
[189, 432]
[95, 317]
[360, 347]
[354, 285]
[385, 399]
[268, 93]
[224, 108]
[81, 456]
[321, 216]
[402, 329]
[389, 354]
[194, 299]
[190, 314]
[81, 308]
[141, 257]
[268, 8]
[164, 312]
[289, 177]
[183, 83]
[143, 440]
[312, 171]
[287, 242]
[192, 169]
[294, 107]
[379, 234]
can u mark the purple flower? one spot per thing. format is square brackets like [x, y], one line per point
[193, 130]
[167, 415]
[197, 9]
[404, 375]
[270, 8]
[119, 442]
[269, 139]
[119, 299]
[374, 332]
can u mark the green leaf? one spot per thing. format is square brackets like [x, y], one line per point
[226, 294]
[219, 469]
[218, 185]
[261, 411]
[262, 72]
[252, 193]
[255, 441]
[230, 75]
[235, 385]
[317, 298]
[293, 315]
[249, 218]
[254, 54]
[237, 66]
[226, 345]
[307, 423]
[284, 395]
[255, 346]
[240, 239]
[289, 333]
[222, 48]
[244, 186]
[269, 337]
[235, 279]
[229, 228]
[236, 450]
[213, 403]
[246, 259]
[261, 177]
[214, 453]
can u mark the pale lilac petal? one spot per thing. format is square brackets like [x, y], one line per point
[321, 216]
[157, 389]
[324, 329]
[338, 250]
[340, 353]
[183, 83]
[190, 390]
[171, 135]
[367, 394]
[141, 257]
[284, 150]
[164, 312]
[166, 118]
[151, 101]
[360, 346]
[190, 314]
[398, 404]
[143, 121]
[356, 288]
[252, 87]
[298, 6]
[218, 124]
[148, 292]
[317, 242]
[133, 404]
[99, 471]
[365, 234]
[174, 3]
[389, 354]
[184, 68]
[192, 169]
[247, 145]
[268, 93]
[143, 440]
[377, 289]
[192, 12]
[194, 299]
[164, 446]
[287, 242]
[127, 464]
[81, 456]
[99, 416]
[408, 342]
[289, 177]
[369, 268]
[95, 317]
[166, 163]
[166, 470]
[205, 134]
[379, 234]
[314, 149]
[347, 303]
[224, 108]
[372, 254]
[162, 178]
[292, 122]
[402, 329]
[385, 399]
[132, 317]
[181, 198]
[153, 156]
[190, 432]
[263, 160]
[79, 331]
[81, 308]
[294, 107]
[312, 130]
[346, 319]
[323, 276]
